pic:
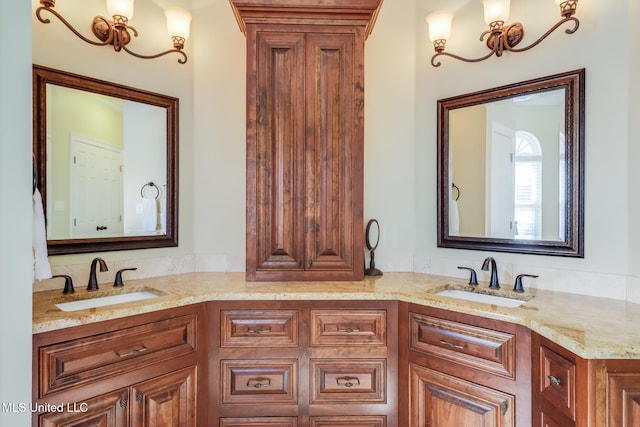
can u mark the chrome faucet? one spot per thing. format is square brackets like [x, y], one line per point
[93, 282]
[493, 284]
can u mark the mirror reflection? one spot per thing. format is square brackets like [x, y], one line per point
[106, 156]
[102, 154]
[511, 168]
[506, 161]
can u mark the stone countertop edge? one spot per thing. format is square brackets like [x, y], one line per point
[590, 327]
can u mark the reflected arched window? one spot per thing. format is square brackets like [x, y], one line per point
[528, 186]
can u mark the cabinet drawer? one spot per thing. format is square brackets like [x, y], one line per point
[259, 422]
[347, 381]
[348, 327]
[259, 381]
[259, 328]
[349, 421]
[472, 346]
[557, 381]
[87, 359]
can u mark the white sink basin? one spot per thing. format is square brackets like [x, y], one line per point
[83, 304]
[478, 297]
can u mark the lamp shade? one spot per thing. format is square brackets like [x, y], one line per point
[178, 22]
[496, 10]
[120, 7]
[439, 25]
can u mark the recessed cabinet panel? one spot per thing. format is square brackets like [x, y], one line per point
[472, 346]
[557, 381]
[259, 422]
[279, 136]
[349, 421]
[348, 327]
[255, 382]
[441, 400]
[82, 360]
[259, 328]
[333, 148]
[623, 398]
[169, 400]
[109, 409]
[348, 381]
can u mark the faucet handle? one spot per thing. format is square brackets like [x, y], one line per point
[118, 282]
[517, 287]
[68, 283]
[473, 278]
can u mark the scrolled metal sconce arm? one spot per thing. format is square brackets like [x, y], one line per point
[117, 33]
[502, 38]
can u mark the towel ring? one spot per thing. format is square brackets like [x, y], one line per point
[455, 187]
[150, 184]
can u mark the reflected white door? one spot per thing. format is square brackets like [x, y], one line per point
[500, 212]
[95, 188]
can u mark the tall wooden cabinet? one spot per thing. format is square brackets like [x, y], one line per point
[305, 136]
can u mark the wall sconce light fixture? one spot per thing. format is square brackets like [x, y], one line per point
[500, 37]
[118, 32]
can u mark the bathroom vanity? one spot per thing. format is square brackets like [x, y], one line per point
[214, 350]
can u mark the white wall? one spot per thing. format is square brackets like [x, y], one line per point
[15, 216]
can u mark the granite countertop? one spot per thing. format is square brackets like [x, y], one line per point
[593, 328]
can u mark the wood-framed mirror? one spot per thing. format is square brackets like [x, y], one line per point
[511, 168]
[105, 162]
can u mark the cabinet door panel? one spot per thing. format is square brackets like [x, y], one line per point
[348, 327]
[88, 359]
[259, 422]
[274, 205]
[166, 401]
[333, 162]
[440, 400]
[272, 381]
[623, 398]
[107, 410]
[349, 421]
[347, 381]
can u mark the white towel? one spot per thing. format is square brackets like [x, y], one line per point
[41, 267]
[149, 214]
[454, 218]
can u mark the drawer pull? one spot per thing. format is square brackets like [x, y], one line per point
[348, 330]
[453, 345]
[258, 330]
[132, 352]
[123, 402]
[140, 397]
[504, 407]
[258, 382]
[555, 381]
[347, 381]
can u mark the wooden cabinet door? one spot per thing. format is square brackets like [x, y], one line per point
[109, 409]
[305, 153]
[441, 400]
[166, 401]
[333, 159]
[275, 173]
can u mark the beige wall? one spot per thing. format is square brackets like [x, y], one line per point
[467, 161]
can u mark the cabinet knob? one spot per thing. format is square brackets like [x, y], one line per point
[554, 380]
